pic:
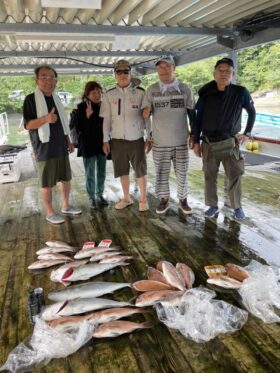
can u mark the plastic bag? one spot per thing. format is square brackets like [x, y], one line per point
[45, 344]
[261, 291]
[200, 318]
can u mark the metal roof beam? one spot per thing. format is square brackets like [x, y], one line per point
[257, 38]
[65, 54]
[35, 28]
[20, 67]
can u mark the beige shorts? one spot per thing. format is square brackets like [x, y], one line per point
[126, 152]
[52, 171]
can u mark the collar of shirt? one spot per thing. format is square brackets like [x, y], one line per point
[170, 86]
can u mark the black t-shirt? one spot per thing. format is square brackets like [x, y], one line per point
[57, 145]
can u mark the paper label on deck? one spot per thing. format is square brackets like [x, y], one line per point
[88, 245]
[105, 243]
[215, 270]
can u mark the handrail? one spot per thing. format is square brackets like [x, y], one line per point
[264, 118]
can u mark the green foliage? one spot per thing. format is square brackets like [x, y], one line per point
[259, 67]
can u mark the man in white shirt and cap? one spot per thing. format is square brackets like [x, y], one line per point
[124, 123]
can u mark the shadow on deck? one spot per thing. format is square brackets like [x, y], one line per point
[149, 238]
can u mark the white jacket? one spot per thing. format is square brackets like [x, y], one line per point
[121, 110]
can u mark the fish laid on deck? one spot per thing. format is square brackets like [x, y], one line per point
[39, 264]
[51, 249]
[186, 273]
[86, 253]
[54, 256]
[77, 306]
[87, 290]
[99, 317]
[150, 285]
[60, 244]
[225, 282]
[116, 328]
[84, 272]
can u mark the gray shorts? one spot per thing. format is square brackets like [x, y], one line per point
[52, 171]
[125, 152]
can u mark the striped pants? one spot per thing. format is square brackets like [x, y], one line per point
[162, 156]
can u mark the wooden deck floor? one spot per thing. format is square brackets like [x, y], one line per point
[149, 238]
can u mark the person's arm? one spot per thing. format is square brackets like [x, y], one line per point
[251, 111]
[248, 105]
[147, 105]
[197, 129]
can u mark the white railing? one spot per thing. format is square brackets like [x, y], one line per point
[4, 128]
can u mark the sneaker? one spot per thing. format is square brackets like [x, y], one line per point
[55, 219]
[123, 204]
[184, 207]
[71, 210]
[143, 206]
[101, 201]
[163, 206]
[239, 214]
[92, 204]
[212, 212]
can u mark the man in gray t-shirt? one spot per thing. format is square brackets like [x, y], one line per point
[169, 102]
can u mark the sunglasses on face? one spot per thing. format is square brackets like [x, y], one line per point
[120, 72]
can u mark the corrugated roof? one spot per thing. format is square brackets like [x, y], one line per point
[76, 40]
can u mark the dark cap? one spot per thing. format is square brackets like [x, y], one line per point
[122, 63]
[166, 58]
[226, 60]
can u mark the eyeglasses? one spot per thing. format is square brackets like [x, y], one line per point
[120, 72]
[47, 78]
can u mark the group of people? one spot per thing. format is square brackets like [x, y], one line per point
[128, 122]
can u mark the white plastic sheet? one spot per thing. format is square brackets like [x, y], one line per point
[45, 344]
[261, 291]
[199, 317]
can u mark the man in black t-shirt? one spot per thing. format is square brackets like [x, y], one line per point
[46, 121]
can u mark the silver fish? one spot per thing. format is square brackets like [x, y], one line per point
[83, 273]
[54, 256]
[97, 257]
[115, 259]
[45, 263]
[58, 244]
[87, 290]
[86, 253]
[48, 250]
[77, 306]
[116, 328]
